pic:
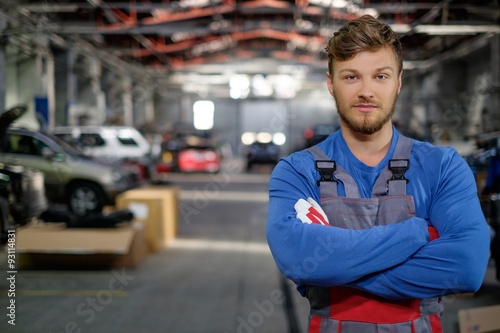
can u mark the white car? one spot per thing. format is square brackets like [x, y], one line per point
[106, 142]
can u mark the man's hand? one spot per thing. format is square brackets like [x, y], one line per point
[310, 212]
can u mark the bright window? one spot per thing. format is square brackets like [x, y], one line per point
[203, 115]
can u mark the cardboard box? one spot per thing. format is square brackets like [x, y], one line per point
[52, 245]
[479, 320]
[157, 208]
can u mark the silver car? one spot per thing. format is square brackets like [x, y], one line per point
[82, 183]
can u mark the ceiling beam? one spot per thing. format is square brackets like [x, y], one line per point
[228, 40]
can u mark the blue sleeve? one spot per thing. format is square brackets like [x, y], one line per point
[325, 255]
[455, 262]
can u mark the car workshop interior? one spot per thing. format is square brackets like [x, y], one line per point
[137, 140]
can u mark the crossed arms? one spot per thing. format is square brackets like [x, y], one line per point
[394, 261]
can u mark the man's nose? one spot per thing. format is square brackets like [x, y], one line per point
[366, 89]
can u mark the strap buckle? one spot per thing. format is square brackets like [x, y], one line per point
[398, 168]
[326, 169]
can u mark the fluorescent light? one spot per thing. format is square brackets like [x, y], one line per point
[304, 24]
[400, 28]
[330, 3]
[367, 11]
[239, 86]
[414, 64]
[456, 29]
[261, 87]
[197, 3]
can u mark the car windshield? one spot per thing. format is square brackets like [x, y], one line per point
[68, 149]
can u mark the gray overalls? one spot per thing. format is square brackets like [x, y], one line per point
[348, 310]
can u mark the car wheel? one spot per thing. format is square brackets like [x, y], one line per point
[6, 222]
[84, 198]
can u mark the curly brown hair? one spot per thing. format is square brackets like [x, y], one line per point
[362, 34]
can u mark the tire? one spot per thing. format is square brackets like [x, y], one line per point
[6, 222]
[84, 197]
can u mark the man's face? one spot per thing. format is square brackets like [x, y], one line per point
[365, 89]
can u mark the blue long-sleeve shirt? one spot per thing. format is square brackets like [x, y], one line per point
[395, 261]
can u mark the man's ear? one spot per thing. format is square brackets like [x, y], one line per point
[400, 83]
[329, 82]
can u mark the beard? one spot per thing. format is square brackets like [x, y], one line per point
[366, 125]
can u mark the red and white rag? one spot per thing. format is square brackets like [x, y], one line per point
[310, 212]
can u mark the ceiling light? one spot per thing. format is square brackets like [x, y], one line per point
[400, 28]
[456, 29]
[293, 69]
[330, 3]
[284, 85]
[261, 87]
[180, 36]
[218, 25]
[239, 82]
[304, 24]
[197, 3]
[368, 11]
[413, 64]
[339, 3]
[239, 86]
[96, 3]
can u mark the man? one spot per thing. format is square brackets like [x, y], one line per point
[399, 222]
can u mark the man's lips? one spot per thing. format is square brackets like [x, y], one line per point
[365, 107]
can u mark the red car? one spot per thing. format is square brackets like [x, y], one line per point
[199, 159]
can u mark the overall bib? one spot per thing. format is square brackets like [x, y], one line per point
[348, 310]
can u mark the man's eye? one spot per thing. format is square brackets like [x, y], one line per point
[350, 77]
[381, 76]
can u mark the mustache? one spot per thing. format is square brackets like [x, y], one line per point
[365, 101]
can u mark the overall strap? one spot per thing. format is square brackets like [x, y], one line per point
[392, 179]
[330, 174]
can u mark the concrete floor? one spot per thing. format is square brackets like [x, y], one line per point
[217, 276]
[182, 289]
